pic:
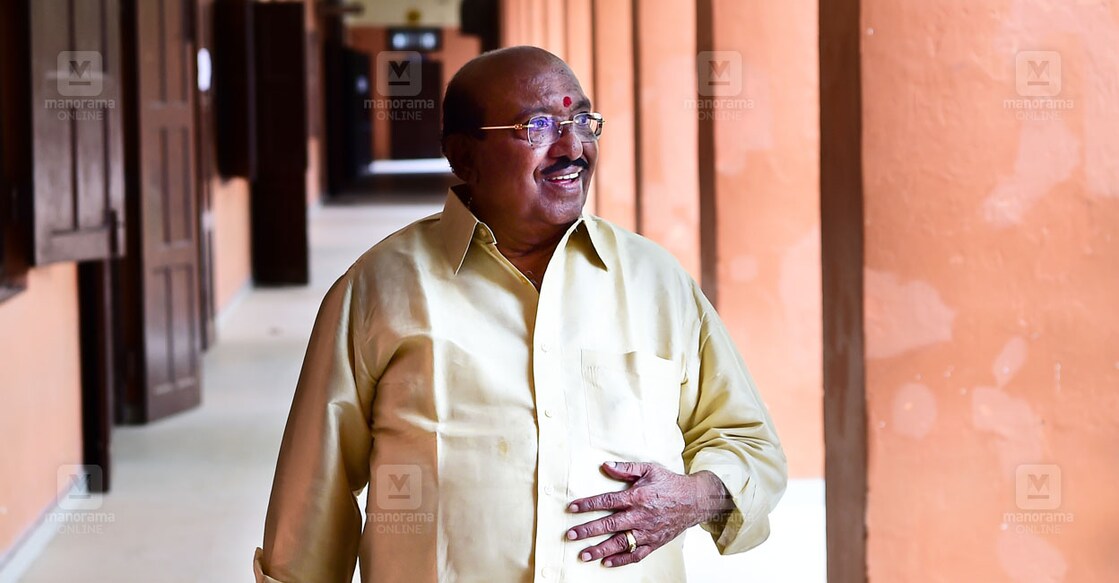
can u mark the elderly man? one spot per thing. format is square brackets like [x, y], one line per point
[530, 392]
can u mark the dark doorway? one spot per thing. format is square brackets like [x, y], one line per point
[280, 253]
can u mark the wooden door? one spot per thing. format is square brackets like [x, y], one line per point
[162, 279]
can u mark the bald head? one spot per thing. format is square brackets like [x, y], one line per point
[484, 79]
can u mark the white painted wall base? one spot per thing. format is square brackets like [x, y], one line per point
[15, 562]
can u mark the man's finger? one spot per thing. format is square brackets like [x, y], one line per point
[616, 522]
[628, 558]
[607, 501]
[627, 471]
[611, 546]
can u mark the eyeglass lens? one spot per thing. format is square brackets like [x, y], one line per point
[545, 130]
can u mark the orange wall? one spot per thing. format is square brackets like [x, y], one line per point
[232, 239]
[615, 178]
[766, 164]
[667, 165]
[991, 278]
[40, 396]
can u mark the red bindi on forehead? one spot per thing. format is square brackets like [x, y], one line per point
[566, 101]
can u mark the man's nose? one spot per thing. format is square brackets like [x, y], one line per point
[567, 145]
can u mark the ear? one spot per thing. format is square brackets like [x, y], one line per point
[459, 150]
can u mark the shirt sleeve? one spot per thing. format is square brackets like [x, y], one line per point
[313, 528]
[727, 431]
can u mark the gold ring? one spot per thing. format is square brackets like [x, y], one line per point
[632, 541]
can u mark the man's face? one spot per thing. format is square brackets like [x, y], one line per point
[535, 186]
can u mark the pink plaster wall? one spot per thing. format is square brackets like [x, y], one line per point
[40, 396]
[767, 144]
[992, 278]
[667, 166]
[232, 239]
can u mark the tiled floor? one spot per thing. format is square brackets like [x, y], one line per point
[190, 492]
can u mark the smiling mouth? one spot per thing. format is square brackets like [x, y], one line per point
[565, 177]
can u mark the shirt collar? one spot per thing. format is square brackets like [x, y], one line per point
[460, 227]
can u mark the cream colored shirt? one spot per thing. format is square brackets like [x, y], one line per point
[477, 408]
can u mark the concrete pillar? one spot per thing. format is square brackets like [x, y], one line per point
[758, 95]
[667, 164]
[989, 273]
[615, 180]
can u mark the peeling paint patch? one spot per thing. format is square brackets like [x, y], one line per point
[1013, 421]
[1028, 558]
[1010, 360]
[903, 316]
[914, 411]
[1091, 23]
[1047, 154]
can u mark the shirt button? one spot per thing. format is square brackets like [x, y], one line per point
[548, 413]
[543, 348]
[549, 490]
[547, 572]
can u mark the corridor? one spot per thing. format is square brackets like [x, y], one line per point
[189, 493]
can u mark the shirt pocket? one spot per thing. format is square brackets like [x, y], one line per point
[632, 400]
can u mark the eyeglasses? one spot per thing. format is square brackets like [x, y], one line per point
[545, 130]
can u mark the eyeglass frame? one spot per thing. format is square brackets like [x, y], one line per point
[525, 126]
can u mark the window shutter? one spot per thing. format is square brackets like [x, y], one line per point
[77, 200]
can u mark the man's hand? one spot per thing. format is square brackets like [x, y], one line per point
[659, 506]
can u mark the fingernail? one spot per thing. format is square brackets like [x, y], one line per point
[585, 556]
[609, 563]
[610, 464]
[573, 508]
[571, 534]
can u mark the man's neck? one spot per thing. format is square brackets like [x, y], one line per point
[529, 249]
[529, 255]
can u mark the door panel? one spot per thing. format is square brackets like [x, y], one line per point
[166, 212]
[76, 140]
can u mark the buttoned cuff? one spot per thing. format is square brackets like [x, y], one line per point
[258, 568]
[747, 526]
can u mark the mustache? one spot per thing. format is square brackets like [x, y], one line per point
[565, 164]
